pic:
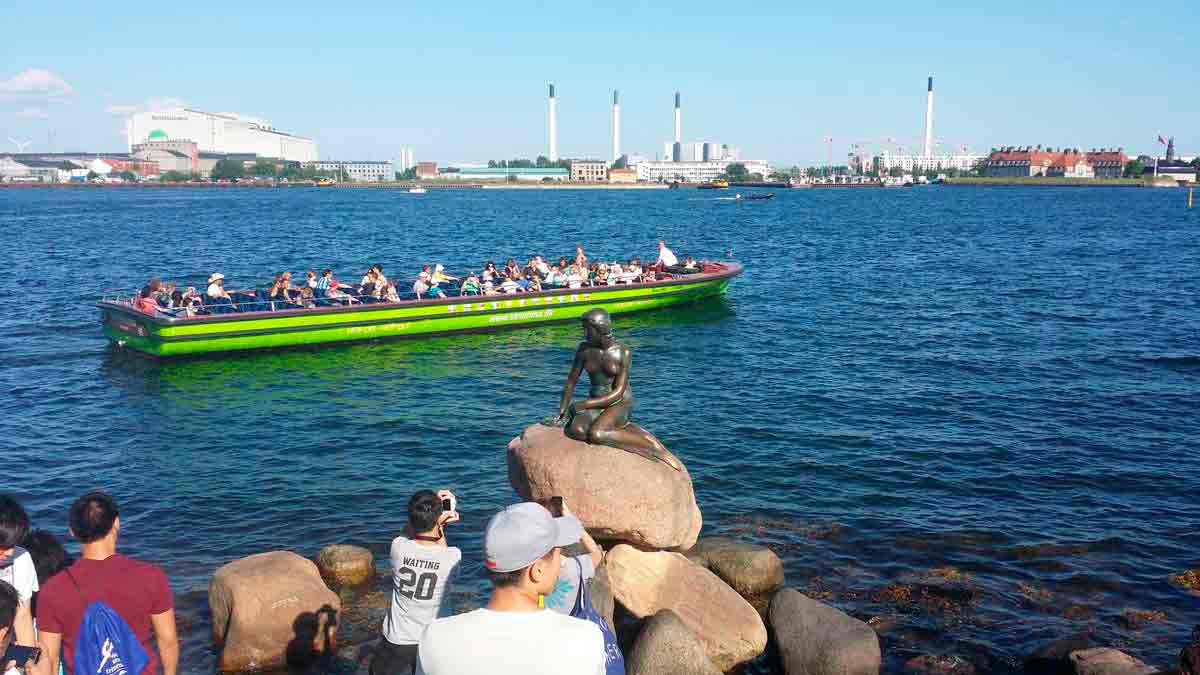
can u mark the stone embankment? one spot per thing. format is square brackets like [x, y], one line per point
[678, 603]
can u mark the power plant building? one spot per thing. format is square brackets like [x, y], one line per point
[225, 133]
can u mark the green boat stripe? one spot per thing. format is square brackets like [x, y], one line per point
[422, 317]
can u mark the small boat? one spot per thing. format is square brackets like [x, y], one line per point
[417, 191]
[718, 184]
[760, 196]
[256, 324]
[323, 182]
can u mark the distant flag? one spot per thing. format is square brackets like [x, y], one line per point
[1161, 139]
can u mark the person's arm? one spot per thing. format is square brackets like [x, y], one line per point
[167, 639]
[51, 644]
[23, 625]
[572, 379]
[589, 544]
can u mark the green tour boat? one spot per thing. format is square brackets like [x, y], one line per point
[165, 336]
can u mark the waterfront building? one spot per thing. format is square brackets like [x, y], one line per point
[1071, 164]
[964, 161]
[356, 171]
[634, 160]
[626, 175]
[171, 155]
[208, 160]
[1107, 163]
[427, 170]
[589, 171]
[484, 173]
[228, 133]
[406, 160]
[694, 172]
[712, 153]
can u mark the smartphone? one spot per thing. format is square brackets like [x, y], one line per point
[21, 654]
[556, 507]
[449, 504]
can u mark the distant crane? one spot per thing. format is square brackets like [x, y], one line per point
[21, 145]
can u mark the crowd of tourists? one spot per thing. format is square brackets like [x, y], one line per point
[322, 289]
[105, 610]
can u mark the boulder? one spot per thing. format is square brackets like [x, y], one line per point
[646, 583]
[618, 495]
[345, 565]
[1053, 658]
[752, 570]
[666, 647]
[929, 664]
[271, 610]
[816, 639]
[1106, 661]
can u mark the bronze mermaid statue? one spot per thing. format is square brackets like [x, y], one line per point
[603, 417]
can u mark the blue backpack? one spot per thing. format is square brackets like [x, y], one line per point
[106, 645]
[614, 661]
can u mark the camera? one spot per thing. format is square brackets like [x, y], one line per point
[449, 504]
[21, 654]
[556, 507]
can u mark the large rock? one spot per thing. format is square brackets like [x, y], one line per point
[816, 639]
[345, 565]
[1053, 658]
[752, 570]
[1106, 661]
[600, 591]
[646, 583]
[271, 610]
[666, 647]
[618, 495]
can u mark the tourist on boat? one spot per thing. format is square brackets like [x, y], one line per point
[216, 288]
[511, 270]
[580, 258]
[510, 286]
[573, 278]
[470, 285]
[440, 276]
[328, 287]
[562, 263]
[489, 288]
[311, 279]
[162, 292]
[665, 257]
[534, 284]
[554, 277]
[369, 282]
[601, 275]
[539, 264]
[489, 271]
[689, 263]
[306, 299]
[278, 290]
[634, 270]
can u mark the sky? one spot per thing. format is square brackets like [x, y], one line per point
[466, 81]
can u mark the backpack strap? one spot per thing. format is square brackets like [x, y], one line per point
[579, 591]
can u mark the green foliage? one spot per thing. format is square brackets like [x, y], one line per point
[408, 174]
[1134, 169]
[737, 172]
[1196, 163]
[263, 169]
[227, 169]
[541, 163]
[174, 177]
[622, 162]
[92, 175]
[128, 176]
[67, 166]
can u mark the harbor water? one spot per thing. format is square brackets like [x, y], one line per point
[996, 386]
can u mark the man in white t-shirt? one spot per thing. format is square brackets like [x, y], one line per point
[665, 257]
[17, 569]
[514, 635]
[423, 566]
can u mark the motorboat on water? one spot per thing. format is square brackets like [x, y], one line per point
[252, 321]
[417, 191]
[718, 184]
[760, 196]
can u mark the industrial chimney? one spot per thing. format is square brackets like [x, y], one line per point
[616, 128]
[553, 127]
[929, 119]
[678, 121]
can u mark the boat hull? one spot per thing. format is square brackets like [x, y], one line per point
[167, 337]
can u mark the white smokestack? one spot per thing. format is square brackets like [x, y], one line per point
[678, 121]
[616, 128]
[929, 120]
[553, 127]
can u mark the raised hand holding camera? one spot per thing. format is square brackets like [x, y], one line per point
[449, 507]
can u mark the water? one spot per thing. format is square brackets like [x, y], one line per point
[997, 381]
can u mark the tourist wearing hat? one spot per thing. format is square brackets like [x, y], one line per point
[216, 287]
[515, 634]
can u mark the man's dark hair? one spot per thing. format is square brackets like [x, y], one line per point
[49, 556]
[507, 579]
[423, 511]
[8, 605]
[14, 522]
[92, 516]
[1189, 658]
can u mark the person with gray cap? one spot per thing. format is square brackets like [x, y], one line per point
[515, 634]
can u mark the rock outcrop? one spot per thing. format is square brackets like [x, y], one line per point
[344, 565]
[752, 570]
[816, 639]
[1106, 661]
[271, 610]
[667, 647]
[618, 495]
[646, 583]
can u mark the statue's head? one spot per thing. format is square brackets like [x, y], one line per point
[597, 325]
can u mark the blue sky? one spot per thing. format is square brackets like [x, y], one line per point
[467, 80]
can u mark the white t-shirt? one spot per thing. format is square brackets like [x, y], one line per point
[486, 642]
[214, 290]
[421, 577]
[666, 257]
[566, 589]
[18, 571]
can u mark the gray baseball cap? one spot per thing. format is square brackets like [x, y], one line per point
[521, 534]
